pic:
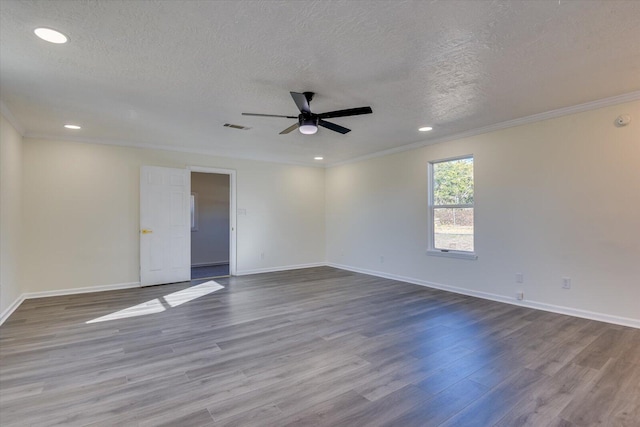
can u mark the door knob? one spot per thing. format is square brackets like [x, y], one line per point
[146, 231]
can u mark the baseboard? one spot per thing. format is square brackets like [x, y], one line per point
[44, 294]
[602, 317]
[585, 314]
[281, 268]
[209, 264]
[88, 289]
[9, 310]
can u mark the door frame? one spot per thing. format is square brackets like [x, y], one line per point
[232, 209]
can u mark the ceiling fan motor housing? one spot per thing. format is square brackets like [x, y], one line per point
[308, 120]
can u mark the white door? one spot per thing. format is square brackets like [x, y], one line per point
[165, 227]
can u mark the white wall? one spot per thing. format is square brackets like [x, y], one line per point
[555, 198]
[210, 241]
[81, 212]
[10, 213]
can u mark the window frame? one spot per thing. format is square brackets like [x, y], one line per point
[431, 249]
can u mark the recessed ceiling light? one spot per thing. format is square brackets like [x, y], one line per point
[318, 158]
[52, 36]
[425, 129]
[74, 127]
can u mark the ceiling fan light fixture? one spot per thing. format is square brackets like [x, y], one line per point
[308, 129]
[308, 126]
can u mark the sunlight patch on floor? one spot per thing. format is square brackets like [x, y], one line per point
[155, 305]
[189, 294]
[148, 307]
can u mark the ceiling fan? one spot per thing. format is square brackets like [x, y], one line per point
[308, 122]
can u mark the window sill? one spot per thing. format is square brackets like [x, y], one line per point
[452, 254]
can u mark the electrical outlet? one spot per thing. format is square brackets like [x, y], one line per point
[381, 259]
[261, 255]
[519, 278]
[566, 283]
[519, 295]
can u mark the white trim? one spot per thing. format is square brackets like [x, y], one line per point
[85, 290]
[209, 264]
[6, 113]
[585, 314]
[13, 307]
[461, 206]
[565, 111]
[233, 210]
[575, 312]
[281, 268]
[45, 294]
[452, 254]
[587, 106]
[217, 152]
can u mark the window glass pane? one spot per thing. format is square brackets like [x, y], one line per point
[453, 182]
[453, 229]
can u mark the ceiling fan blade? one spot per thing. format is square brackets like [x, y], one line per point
[301, 101]
[333, 127]
[290, 128]
[347, 112]
[269, 115]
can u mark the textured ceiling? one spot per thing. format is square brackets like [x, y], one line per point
[171, 73]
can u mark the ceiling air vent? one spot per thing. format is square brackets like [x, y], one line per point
[229, 125]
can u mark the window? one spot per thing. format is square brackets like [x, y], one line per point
[451, 208]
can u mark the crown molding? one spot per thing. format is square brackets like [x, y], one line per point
[565, 111]
[146, 146]
[6, 113]
[592, 105]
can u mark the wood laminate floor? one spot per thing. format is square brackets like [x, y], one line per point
[312, 347]
[209, 271]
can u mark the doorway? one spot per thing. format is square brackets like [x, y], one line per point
[212, 223]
